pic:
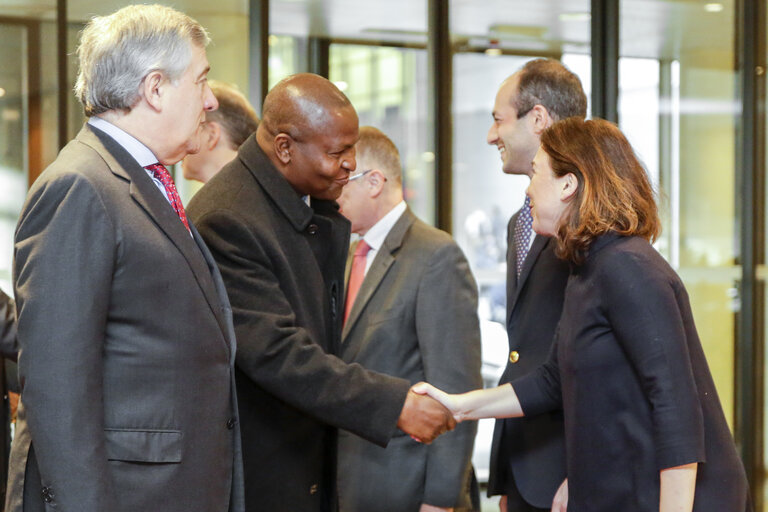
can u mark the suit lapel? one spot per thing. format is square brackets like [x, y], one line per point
[384, 259]
[539, 243]
[144, 192]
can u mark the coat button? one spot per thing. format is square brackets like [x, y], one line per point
[313, 489]
[47, 494]
[231, 424]
[312, 229]
[514, 357]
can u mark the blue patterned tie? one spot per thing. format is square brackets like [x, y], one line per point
[523, 232]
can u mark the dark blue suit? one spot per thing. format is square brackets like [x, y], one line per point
[528, 454]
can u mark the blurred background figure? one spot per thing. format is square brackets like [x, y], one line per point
[225, 129]
[8, 380]
[411, 312]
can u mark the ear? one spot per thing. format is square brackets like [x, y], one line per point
[152, 89]
[376, 181]
[214, 134]
[283, 144]
[541, 119]
[570, 185]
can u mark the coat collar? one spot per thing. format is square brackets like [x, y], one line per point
[286, 199]
[385, 258]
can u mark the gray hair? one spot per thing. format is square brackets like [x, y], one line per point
[118, 51]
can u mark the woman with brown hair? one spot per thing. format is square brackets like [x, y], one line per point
[643, 424]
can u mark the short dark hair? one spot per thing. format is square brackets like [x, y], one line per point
[549, 83]
[614, 192]
[236, 116]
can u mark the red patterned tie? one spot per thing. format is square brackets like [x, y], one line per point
[161, 173]
[356, 275]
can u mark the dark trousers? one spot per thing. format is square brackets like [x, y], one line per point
[516, 503]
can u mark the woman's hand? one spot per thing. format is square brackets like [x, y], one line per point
[500, 402]
[451, 402]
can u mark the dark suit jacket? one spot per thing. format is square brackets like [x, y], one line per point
[127, 347]
[630, 373]
[415, 317]
[529, 453]
[283, 264]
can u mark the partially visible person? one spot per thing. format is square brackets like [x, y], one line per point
[528, 454]
[126, 340]
[8, 350]
[413, 315]
[272, 223]
[224, 130]
[645, 430]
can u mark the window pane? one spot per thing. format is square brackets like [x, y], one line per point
[13, 140]
[678, 109]
[387, 86]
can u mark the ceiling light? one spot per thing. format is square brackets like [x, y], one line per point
[493, 52]
[713, 7]
[428, 156]
[575, 16]
[341, 85]
[2, 92]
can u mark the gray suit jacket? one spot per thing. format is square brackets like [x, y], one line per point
[127, 347]
[414, 317]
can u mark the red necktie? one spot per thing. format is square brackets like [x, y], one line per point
[161, 173]
[356, 275]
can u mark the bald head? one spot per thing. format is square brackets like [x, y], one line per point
[308, 130]
[302, 104]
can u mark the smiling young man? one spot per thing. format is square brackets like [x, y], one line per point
[273, 226]
[123, 322]
[528, 454]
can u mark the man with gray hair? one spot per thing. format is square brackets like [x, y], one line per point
[125, 329]
[225, 129]
[528, 454]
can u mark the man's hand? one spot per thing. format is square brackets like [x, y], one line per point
[560, 502]
[424, 418]
[431, 508]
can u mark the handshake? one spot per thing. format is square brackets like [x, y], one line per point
[423, 417]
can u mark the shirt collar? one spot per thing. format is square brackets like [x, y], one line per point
[141, 153]
[376, 235]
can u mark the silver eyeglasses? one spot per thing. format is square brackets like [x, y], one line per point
[357, 176]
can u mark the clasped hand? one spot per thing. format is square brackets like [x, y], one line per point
[423, 417]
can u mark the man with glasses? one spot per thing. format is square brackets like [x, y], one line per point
[411, 311]
[528, 454]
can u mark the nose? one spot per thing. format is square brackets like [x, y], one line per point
[210, 102]
[493, 134]
[348, 161]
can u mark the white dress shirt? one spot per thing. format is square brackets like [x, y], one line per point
[378, 233]
[141, 153]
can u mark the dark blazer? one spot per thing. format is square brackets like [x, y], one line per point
[630, 374]
[127, 347]
[283, 264]
[415, 317]
[8, 349]
[529, 453]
